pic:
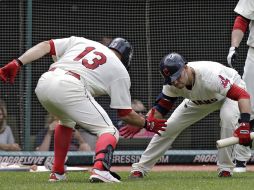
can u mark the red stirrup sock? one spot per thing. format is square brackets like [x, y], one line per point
[103, 141]
[62, 141]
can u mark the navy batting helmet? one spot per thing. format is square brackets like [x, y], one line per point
[171, 67]
[123, 47]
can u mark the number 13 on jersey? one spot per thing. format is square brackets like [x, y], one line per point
[95, 62]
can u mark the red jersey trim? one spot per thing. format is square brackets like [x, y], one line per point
[236, 93]
[52, 48]
[123, 112]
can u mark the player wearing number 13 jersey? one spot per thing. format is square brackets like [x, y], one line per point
[83, 69]
[99, 68]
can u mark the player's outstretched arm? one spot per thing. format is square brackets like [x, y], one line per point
[35, 52]
[10, 70]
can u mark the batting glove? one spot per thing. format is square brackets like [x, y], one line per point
[153, 124]
[10, 70]
[232, 56]
[243, 133]
[128, 131]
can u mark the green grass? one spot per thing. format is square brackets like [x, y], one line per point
[154, 181]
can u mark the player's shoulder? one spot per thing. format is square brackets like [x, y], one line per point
[204, 64]
[245, 8]
[206, 69]
[80, 39]
[120, 69]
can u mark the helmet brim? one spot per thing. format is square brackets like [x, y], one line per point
[173, 77]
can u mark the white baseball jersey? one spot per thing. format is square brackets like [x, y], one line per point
[246, 9]
[100, 69]
[208, 94]
[212, 82]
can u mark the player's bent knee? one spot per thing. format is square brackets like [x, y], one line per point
[116, 134]
[111, 130]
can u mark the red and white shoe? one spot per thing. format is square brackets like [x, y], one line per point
[136, 175]
[57, 177]
[98, 176]
[224, 173]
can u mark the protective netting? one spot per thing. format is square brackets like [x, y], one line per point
[199, 30]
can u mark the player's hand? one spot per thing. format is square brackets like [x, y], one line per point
[232, 56]
[9, 71]
[153, 124]
[128, 131]
[243, 133]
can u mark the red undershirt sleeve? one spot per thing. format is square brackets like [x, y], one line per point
[52, 48]
[123, 112]
[241, 23]
[236, 93]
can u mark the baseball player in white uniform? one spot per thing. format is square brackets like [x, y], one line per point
[206, 86]
[245, 18]
[82, 70]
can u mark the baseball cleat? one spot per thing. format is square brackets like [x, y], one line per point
[224, 174]
[240, 166]
[98, 176]
[136, 175]
[57, 177]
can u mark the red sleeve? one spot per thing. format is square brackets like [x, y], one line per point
[236, 93]
[123, 112]
[52, 48]
[241, 23]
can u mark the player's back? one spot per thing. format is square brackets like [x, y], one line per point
[97, 65]
[209, 69]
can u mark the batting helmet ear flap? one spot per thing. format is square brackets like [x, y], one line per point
[125, 49]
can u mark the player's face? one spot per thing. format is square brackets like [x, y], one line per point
[182, 80]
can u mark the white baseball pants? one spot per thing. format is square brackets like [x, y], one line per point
[186, 114]
[66, 97]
